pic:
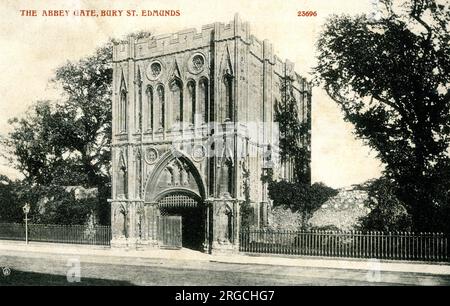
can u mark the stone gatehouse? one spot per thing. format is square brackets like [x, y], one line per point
[192, 132]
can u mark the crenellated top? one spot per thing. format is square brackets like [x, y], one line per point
[192, 40]
[180, 41]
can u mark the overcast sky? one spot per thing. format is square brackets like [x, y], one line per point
[32, 48]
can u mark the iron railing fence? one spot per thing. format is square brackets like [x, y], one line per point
[76, 234]
[350, 244]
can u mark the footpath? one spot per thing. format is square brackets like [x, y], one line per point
[107, 255]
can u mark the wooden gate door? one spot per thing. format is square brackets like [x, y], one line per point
[169, 231]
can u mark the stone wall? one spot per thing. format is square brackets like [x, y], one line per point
[282, 218]
[340, 212]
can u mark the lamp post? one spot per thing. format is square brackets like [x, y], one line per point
[26, 210]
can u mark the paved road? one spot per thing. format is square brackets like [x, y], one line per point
[41, 269]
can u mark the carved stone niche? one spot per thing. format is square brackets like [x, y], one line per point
[177, 174]
[224, 223]
[119, 224]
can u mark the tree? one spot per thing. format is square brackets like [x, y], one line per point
[387, 212]
[293, 133]
[391, 78]
[59, 206]
[246, 210]
[85, 119]
[300, 197]
[297, 194]
[10, 208]
[67, 142]
[36, 150]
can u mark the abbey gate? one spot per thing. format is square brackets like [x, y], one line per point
[193, 132]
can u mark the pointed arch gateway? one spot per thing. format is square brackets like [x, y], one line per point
[177, 189]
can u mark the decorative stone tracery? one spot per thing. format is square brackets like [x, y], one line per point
[167, 93]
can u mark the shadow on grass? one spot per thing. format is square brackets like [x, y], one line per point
[21, 278]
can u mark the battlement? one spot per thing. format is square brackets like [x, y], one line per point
[187, 39]
[192, 39]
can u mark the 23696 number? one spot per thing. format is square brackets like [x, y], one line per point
[306, 13]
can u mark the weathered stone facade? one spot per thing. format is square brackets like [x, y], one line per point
[188, 114]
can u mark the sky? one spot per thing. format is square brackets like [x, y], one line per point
[32, 48]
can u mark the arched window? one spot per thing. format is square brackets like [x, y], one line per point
[229, 232]
[211, 170]
[123, 111]
[203, 99]
[177, 101]
[150, 107]
[228, 80]
[191, 100]
[122, 186]
[138, 174]
[124, 214]
[138, 104]
[229, 170]
[227, 177]
[161, 106]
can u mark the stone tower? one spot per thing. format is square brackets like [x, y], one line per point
[192, 132]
